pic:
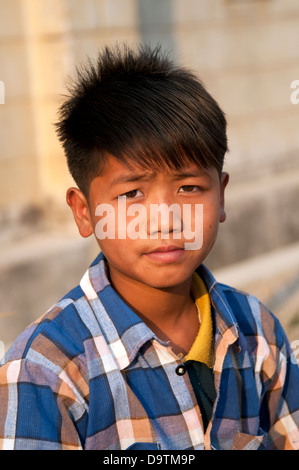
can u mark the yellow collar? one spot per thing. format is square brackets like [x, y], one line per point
[202, 348]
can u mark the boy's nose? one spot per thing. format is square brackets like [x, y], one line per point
[164, 219]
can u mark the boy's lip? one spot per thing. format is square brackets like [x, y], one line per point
[165, 248]
[166, 254]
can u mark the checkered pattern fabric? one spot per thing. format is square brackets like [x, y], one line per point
[90, 374]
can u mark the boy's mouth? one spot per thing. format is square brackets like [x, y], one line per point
[166, 254]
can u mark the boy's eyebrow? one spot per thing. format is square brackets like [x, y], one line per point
[190, 173]
[127, 178]
[131, 177]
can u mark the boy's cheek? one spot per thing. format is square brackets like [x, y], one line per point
[118, 250]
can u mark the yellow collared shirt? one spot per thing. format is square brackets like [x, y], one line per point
[202, 348]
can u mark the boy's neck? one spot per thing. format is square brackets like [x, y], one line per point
[171, 313]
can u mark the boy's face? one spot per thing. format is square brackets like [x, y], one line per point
[123, 201]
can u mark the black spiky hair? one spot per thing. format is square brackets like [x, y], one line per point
[138, 106]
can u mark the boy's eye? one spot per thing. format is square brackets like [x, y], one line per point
[188, 188]
[132, 194]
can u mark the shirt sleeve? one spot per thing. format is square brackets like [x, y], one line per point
[39, 409]
[280, 406]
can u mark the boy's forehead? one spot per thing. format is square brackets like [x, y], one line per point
[126, 170]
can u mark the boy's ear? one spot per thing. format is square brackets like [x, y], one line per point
[223, 183]
[79, 205]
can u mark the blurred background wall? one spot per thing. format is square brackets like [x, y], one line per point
[247, 54]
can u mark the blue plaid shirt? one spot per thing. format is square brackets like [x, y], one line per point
[91, 375]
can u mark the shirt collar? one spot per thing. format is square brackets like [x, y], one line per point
[123, 329]
[225, 320]
[202, 348]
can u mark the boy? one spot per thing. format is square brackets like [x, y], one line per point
[149, 351]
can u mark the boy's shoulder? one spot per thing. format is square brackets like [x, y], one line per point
[255, 320]
[85, 319]
[57, 335]
[243, 310]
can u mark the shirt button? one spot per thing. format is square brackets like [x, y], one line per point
[180, 370]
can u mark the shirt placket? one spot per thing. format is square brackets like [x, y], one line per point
[183, 391]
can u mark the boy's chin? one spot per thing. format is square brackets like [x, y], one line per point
[167, 282]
